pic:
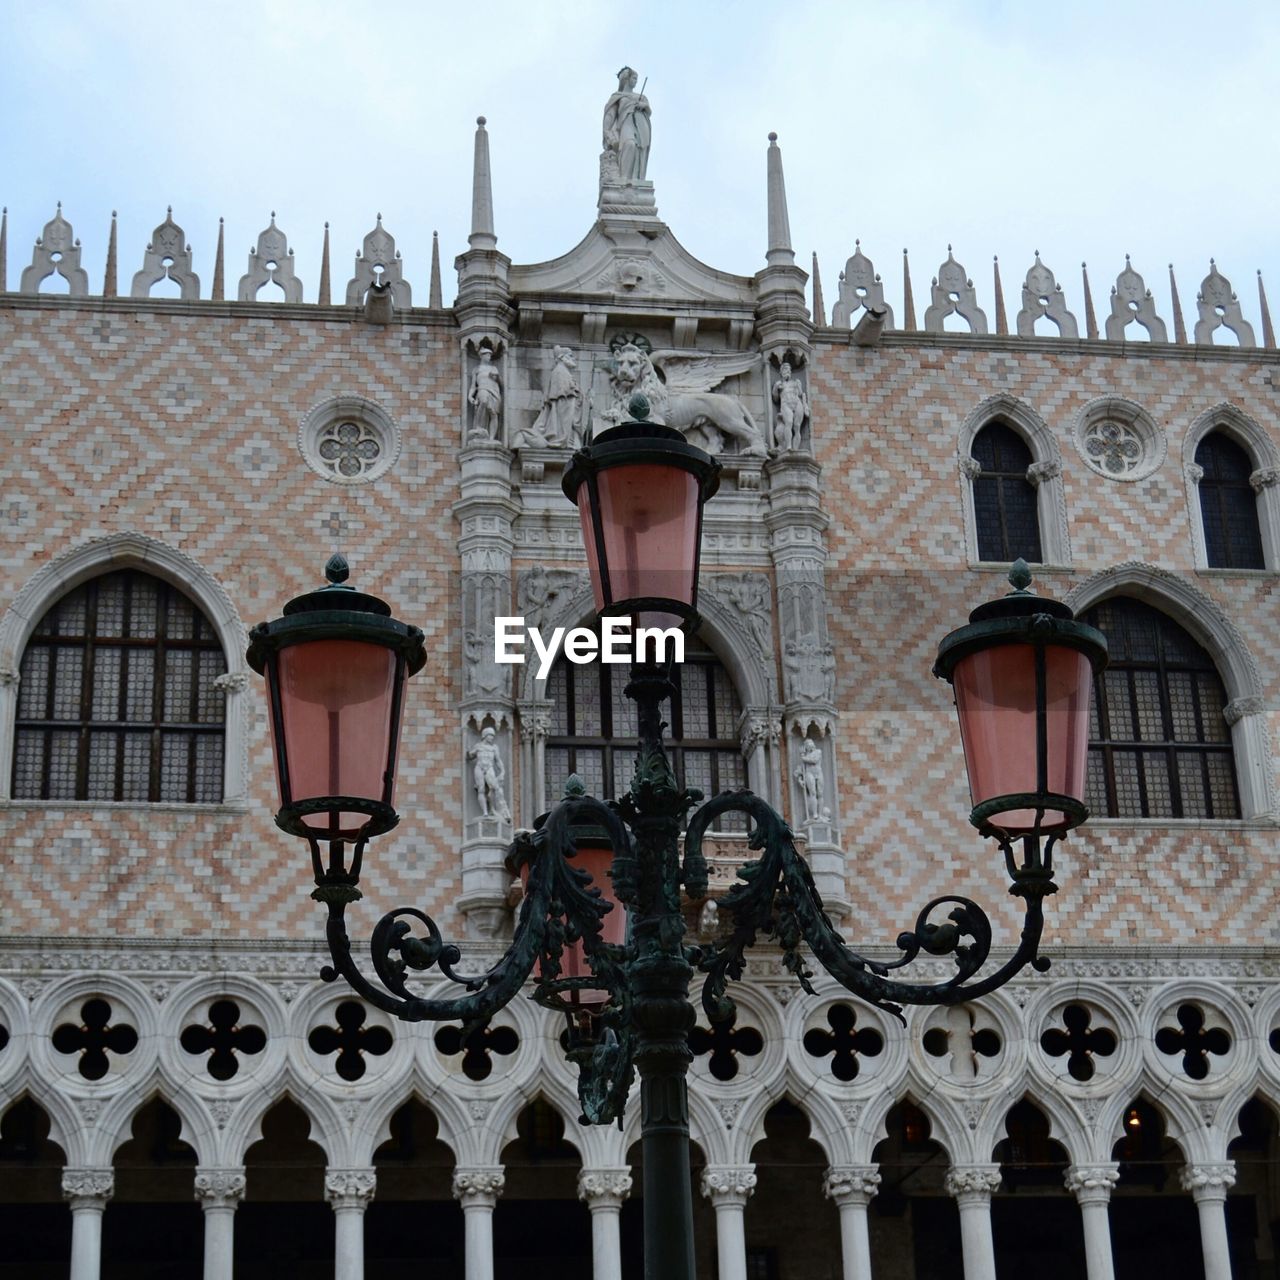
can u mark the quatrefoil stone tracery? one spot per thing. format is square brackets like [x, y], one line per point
[349, 448]
[1113, 447]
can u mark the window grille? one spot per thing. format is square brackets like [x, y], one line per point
[117, 698]
[1228, 505]
[1004, 500]
[1159, 746]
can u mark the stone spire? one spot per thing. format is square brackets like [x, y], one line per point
[1090, 320]
[1268, 333]
[220, 265]
[908, 302]
[1002, 323]
[819, 308]
[779, 252]
[1179, 327]
[4, 252]
[435, 299]
[109, 286]
[482, 236]
[323, 299]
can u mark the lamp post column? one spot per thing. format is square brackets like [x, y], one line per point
[1209, 1184]
[1091, 1185]
[219, 1192]
[477, 1190]
[349, 1192]
[851, 1187]
[729, 1190]
[603, 1191]
[88, 1191]
[972, 1186]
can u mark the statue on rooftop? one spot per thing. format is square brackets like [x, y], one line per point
[627, 131]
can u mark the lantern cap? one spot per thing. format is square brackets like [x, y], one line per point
[584, 833]
[1020, 617]
[336, 611]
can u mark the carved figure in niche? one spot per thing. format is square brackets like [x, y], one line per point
[485, 398]
[489, 774]
[749, 594]
[809, 776]
[685, 401]
[483, 674]
[627, 131]
[793, 409]
[557, 422]
[540, 590]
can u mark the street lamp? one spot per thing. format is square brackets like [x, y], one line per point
[1021, 670]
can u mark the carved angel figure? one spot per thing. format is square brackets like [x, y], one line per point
[685, 399]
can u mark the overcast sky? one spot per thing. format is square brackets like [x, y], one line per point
[1084, 130]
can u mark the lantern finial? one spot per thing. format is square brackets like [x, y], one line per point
[1020, 576]
[336, 569]
[638, 407]
[574, 786]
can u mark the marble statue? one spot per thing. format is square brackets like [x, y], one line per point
[488, 775]
[627, 131]
[809, 776]
[557, 423]
[793, 410]
[485, 398]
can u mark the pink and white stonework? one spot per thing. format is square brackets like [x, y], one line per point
[228, 447]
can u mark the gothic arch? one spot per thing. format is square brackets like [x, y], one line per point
[1233, 422]
[1202, 618]
[130, 550]
[1045, 472]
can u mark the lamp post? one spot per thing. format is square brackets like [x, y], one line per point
[336, 665]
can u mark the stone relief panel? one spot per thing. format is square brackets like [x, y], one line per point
[1131, 302]
[270, 262]
[379, 263]
[168, 257]
[57, 251]
[1042, 296]
[860, 287]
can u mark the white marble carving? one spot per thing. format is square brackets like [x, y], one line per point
[57, 251]
[954, 294]
[379, 262]
[168, 257]
[559, 420]
[627, 132]
[488, 776]
[1131, 300]
[860, 286]
[271, 262]
[1220, 309]
[485, 398]
[809, 776]
[1042, 296]
[793, 410]
[748, 594]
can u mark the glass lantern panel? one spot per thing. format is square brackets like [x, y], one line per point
[996, 699]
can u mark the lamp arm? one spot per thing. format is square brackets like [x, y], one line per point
[776, 896]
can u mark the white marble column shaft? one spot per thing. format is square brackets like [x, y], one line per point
[88, 1191]
[219, 1192]
[349, 1192]
[1209, 1184]
[477, 1190]
[851, 1187]
[1091, 1185]
[972, 1186]
[729, 1189]
[603, 1191]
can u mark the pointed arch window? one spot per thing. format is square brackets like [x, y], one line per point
[1228, 504]
[1160, 745]
[118, 697]
[1005, 506]
[594, 732]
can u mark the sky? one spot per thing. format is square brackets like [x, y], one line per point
[1084, 130]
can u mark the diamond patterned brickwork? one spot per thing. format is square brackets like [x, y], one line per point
[887, 424]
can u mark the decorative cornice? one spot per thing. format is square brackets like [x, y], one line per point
[604, 1188]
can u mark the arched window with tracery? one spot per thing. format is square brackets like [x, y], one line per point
[1228, 504]
[1005, 508]
[594, 731]
[1160, 745]
[117, 697]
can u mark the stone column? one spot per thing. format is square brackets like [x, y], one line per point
[851, 1187]
[603, 1191]
[477, 1190]
[972, 1185]
[349, 1192]
[1091, 1185]
[729, 1190]
[88, 1191]
[1209, 1184]
[219, 1192]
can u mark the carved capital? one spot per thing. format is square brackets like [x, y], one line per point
[535, 720]
[1195, 472]
[1208, 1181]
[728, 1186]
[1039, 472]
[604, 1188]
[1238, 708]
[1264, 478]
[88, 1188]
[9, 679]
[851, 1184]
[232, 682]
[350, 1188]
[970, 467]
[973, 1181]
[219, 1188]
[1091, 1183]
[478, 1186]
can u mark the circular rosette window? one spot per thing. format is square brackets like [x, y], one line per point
[98, 1037]
[1194, 1037]
[1118, 439]
[1083, 1041]
[349, 440]
[846, 1042]
[964, 1044]
[348, 1042]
